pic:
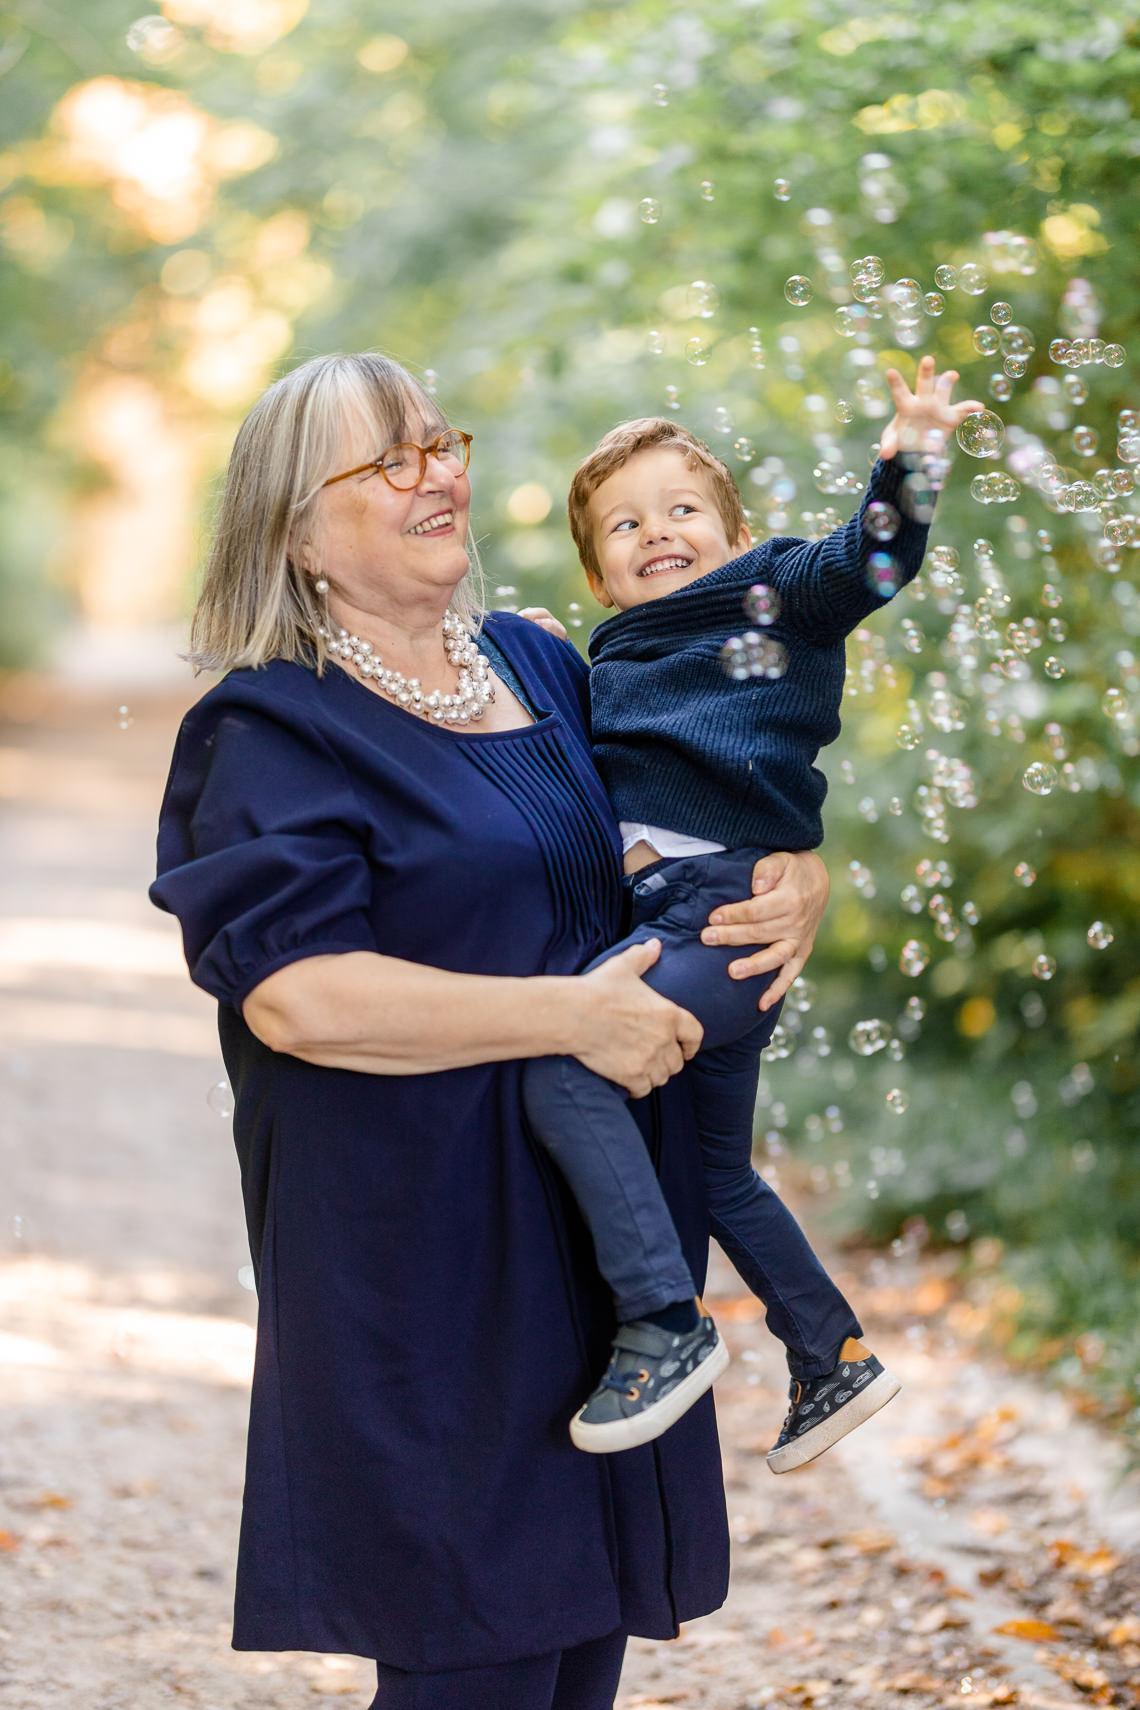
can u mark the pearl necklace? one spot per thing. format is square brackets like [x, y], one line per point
[476, 689]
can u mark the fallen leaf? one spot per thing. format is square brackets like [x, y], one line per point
[915, 1681]
[9, 1541]
[1028, 1630]
[1096, 1563]
[941, 1615]
[50, 1499]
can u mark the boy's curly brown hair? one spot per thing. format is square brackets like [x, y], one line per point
[615, 450]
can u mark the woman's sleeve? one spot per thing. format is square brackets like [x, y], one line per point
[262, 848]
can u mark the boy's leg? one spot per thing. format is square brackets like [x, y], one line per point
[584, 1123]
[756, 1230]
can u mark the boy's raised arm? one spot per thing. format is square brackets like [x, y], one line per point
[829, 586]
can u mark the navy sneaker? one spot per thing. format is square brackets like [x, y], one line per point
[825, 1408]
[653, 1377]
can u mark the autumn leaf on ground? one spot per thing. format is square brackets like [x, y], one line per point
[1029, 1630]
[1096, 1562]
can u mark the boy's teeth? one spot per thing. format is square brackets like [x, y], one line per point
[429, 527]
[665, 564]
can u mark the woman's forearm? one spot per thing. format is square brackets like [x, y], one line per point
[383, 1016]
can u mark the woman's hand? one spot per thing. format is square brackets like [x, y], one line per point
[545, 620]
[790, 895]
[924, 412]
[626, 1031]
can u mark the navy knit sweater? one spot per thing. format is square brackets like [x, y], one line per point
[681, 745]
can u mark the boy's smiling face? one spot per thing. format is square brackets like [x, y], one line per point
[656, 527]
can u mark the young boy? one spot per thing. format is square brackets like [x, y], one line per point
[708, 769]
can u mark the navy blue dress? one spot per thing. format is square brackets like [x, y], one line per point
[429, 1312]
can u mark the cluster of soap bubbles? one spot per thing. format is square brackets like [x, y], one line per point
[995, 489]
[1081, 352]
[755, 654]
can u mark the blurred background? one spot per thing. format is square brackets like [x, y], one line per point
[559, 215]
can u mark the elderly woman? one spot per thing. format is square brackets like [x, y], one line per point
[390, 853]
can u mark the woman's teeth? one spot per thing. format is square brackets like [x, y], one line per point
[444, 520]
[665, 564]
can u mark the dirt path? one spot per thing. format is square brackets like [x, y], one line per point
[879, 1576]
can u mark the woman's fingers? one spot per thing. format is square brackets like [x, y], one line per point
[763, 961]
[782, 982]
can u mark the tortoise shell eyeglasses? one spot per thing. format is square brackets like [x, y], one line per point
[403, 465]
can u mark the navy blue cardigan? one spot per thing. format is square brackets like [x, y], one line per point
[681, 745]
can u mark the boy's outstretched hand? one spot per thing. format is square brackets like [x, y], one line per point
[925, 418]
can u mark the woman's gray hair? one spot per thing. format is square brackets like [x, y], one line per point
[256, 602]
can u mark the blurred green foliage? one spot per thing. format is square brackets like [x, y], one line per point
[465, 191]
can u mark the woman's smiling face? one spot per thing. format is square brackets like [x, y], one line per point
[372, 539]
[656, 528]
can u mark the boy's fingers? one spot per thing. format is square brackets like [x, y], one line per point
[900, 391]
[924, 384]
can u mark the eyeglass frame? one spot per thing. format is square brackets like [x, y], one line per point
[424, 451]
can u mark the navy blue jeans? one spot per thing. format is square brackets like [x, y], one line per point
[584, 1123]
[584, 1677]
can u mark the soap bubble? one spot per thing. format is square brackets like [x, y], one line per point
[650, 210]
[1017, 341]
[1040, 778]
[124, 717]
[881, 520]
[913, 957]
[906, 293]
[934, 303]
[1054, 667]
[1084, 441]
[845, 323]
[907, 737]
[1013, 367]
[1099, 935]
[1113, 356]
[655, 342]
[672, 398]
[734, 659]
[946, 277]
[971, 279]
[1060, 349]
[1001, 314]
[431, 381]
[898, 1101]
[868, 270]
[661, 94]
[882, 574]
[844, 412]
[703, 299]
[798, 290]
[697, 352]
[1024, 874]
[986, 341]
[220, 1098]
[744, 449]
[981, 434]
[762, 604]
[1001, 390]
[708, 190]
[1075, 389]
[1044, 967]
[1113, 704]
[781, 189]
[867, 1037]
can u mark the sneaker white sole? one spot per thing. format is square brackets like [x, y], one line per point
[643, 1427]
[803, 1449]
